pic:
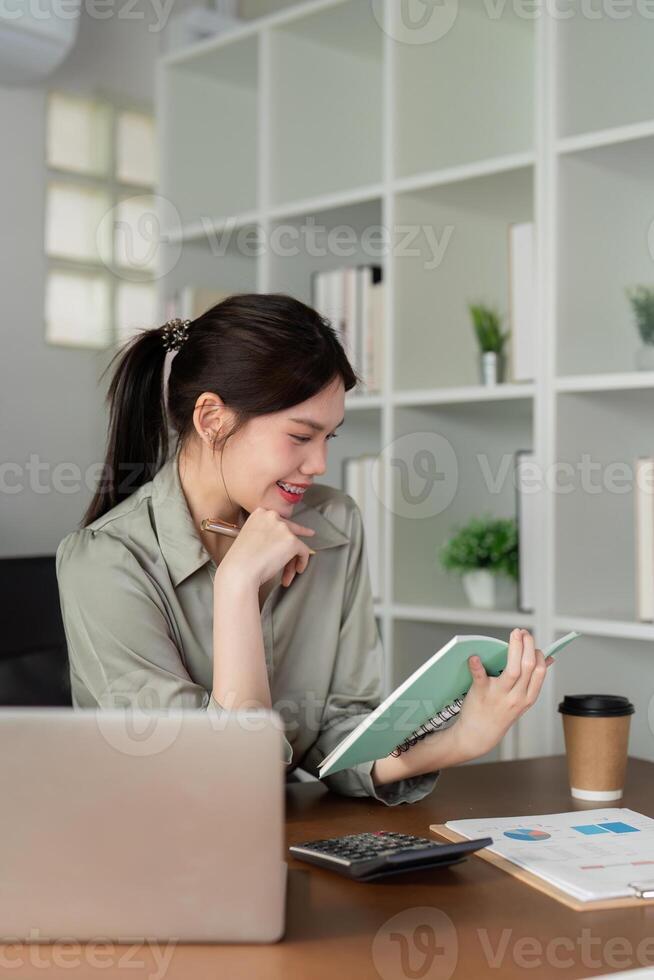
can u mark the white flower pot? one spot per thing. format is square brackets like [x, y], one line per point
[488, 590]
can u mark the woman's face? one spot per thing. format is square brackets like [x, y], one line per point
[283, 446]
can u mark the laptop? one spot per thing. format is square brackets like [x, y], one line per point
[128, 826]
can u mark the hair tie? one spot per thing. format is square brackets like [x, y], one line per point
[174, 333]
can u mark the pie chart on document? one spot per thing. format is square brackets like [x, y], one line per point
[526, 833]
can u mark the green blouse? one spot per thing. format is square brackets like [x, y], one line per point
[136, 592]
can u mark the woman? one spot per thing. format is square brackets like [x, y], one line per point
[160, 611]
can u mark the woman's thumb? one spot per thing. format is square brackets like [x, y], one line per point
[479, 675]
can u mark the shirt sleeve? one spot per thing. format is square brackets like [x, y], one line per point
[356, 688]
[120, 648]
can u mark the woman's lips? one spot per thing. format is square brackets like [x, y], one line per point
[292, 498]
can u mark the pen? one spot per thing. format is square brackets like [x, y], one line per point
[224, 527]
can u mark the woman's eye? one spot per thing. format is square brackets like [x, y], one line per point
[334, 435]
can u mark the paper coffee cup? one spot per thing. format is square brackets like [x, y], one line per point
[596, 730]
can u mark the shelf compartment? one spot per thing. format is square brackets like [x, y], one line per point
[360, 434]
[466, 171]
[210, 228]
[472, 393]
[466, 452]
[326, 202]
[327, 131]
[604, 75]
[605, 211]
[220, 264]
[605, 382]
[508, 618]
[595, 532]
[459, 79]
[206, 172]
[611, 628]
[450, 248]
[306, 243]
[605, 137]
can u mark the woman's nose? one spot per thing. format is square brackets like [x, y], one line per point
[317, 463]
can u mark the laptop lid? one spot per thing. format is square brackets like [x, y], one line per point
[133, 826]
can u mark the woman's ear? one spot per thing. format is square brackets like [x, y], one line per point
[208, 415]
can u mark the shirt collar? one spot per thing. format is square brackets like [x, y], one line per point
[180, 543]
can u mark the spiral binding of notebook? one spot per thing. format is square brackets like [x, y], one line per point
[432, 725]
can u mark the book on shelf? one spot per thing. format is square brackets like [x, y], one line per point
[425, 702]
[522, 302]
[358, 483]
[352, 299]
[190, 302]
[644, 533]
[527, 520]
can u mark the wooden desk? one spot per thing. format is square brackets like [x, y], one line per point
[489, 925]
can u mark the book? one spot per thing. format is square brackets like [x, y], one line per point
[352, 299]
[587, 854]
[644, 531]
[424, 702]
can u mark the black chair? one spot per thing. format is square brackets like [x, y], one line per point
[33, 651]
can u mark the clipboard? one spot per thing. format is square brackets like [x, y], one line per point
[538, 883]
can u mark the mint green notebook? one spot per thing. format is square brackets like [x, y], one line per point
[436, 686]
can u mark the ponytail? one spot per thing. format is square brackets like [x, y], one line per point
[137, 444]
[261, 352]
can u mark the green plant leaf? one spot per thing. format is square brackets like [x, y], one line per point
[485, 542]
[487, 325]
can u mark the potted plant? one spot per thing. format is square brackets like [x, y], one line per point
[485, 553]
[642, 303]
[487, 325]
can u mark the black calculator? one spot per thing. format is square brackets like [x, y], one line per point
[369, 856]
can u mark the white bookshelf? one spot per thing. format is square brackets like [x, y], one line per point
[316, 114]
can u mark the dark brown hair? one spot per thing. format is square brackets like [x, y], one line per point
[259, 352]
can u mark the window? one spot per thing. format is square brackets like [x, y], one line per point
[99, 217]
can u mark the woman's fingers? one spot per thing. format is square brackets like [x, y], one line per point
[298, 528]
[527, 664]
[512, 671]
[289, 572]
[296, 565]
[537, 677]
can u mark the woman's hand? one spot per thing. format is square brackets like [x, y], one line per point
[266, 543]
[493, 704]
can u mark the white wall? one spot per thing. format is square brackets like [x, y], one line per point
[51, 405]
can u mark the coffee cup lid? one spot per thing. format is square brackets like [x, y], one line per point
[596, 705]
